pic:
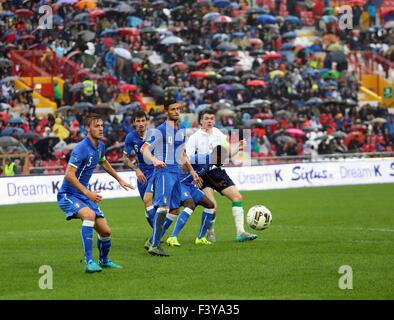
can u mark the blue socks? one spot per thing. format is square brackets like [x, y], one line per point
[160, 217]
[150, 215]
[104, 245]
[87, 239]
[181, 221]
[167, 223]
[206, 220]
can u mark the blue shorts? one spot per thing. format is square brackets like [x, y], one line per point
[71, 204]
[146, 187]
[190, 191]
[167, 189]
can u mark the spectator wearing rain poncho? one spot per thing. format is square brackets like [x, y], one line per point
[59, 130]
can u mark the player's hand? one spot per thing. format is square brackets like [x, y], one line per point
[196, 179]
[158, 164]
[140, 176]
[125, 185]
[94, 196]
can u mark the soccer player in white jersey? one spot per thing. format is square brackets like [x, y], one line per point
[203, 141]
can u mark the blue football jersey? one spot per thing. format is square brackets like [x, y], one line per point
[134, 142]
[85, 158]
[167, 144]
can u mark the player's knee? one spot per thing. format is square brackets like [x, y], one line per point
[89, 215]
[237, 197]
[106, 233]
[189, 204]
[210, 205]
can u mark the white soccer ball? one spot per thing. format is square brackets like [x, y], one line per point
[259, 217]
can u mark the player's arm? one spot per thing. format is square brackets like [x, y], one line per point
[111, 171]
[149, 157]
[133, 166]
[232, 148]
[71, 177]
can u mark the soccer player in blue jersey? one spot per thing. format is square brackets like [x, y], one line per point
[77, 201]
[144, 171]
[167, 144]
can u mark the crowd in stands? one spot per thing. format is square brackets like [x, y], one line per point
[258, 67]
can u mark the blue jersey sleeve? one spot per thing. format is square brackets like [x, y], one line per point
[128, 144]
[77, 156]
[101, 148]
[155, 138]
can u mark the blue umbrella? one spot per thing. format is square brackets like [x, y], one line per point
[289, 35]
[269, 122]
[10, 131]
[133, 22]
[6, 14]
[288, 55]
[287, 46]
[238, 34]
[292, 20]
[108, 33]
[17, 120]
[211, 16]
[329, 19]
[221, 3]
[266, 18]
[257, 10]
[130, 107]
[314, 101]
[224, 86]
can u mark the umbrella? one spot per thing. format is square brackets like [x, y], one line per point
[256, 42]
[260, 102]
[288, 55]
[95, 13]
[221, 3]
[7, 141]
[197, 74]
[227, 46]
[86, 4]
[10, 131]
[283, 113]
[17, 120]
[285, 139]
[156, 91]
[224, 86]
[10, 78]
[314, 101]
[81, 16]
[171, 40]
[211, 16]
[64, 109]
[292, 20]
[203, 63]
[180, 65]
[389, 24]
[255, 123]
[378, 120]
[272, 56]
[82, 106]
[339, 134]
[289, 35]
[104, 108]
[245, 106]
[24, 13]
[329, 19]
[133, 22]
[130, 107]
[123, 53]
[225, 112]
[256, 83]
[87, 35]
[125, 8]
[356, 135]
[223, 19]
[266, 19]
[287, 46]
[108, 33]
[256, 10]
[128, 87]
[295, 132]
[276, 73]
[127, 31]
[269, 122]
[4, 115]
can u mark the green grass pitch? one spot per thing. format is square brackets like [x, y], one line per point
[314, 232]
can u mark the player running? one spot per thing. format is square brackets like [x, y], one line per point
[144, 171]
[203, 141]
[167, 143]
[77, 201]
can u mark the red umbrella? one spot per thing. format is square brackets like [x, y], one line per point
[128, 87]
[24, 13]
[357, 2]
[223, 19]
[97, 13]
[26, 37]
[256, 83]
[9, 38]
[355, 135]
[197, 74]
[262, 116]
[383, 12]
[272, 56]
[256, 42]
[180, 65]
[203, 62]
[110, 79]
[4, 116]
[295, 132]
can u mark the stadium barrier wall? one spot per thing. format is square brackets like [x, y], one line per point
[44, 188]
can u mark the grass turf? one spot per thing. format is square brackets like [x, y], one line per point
[314, 232]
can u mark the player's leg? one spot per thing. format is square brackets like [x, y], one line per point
[209, 192]
[147, 197]
[236, 198]
[170, 218]
[206, 219]
[189, 207]
[88, 217]
[104, 243]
